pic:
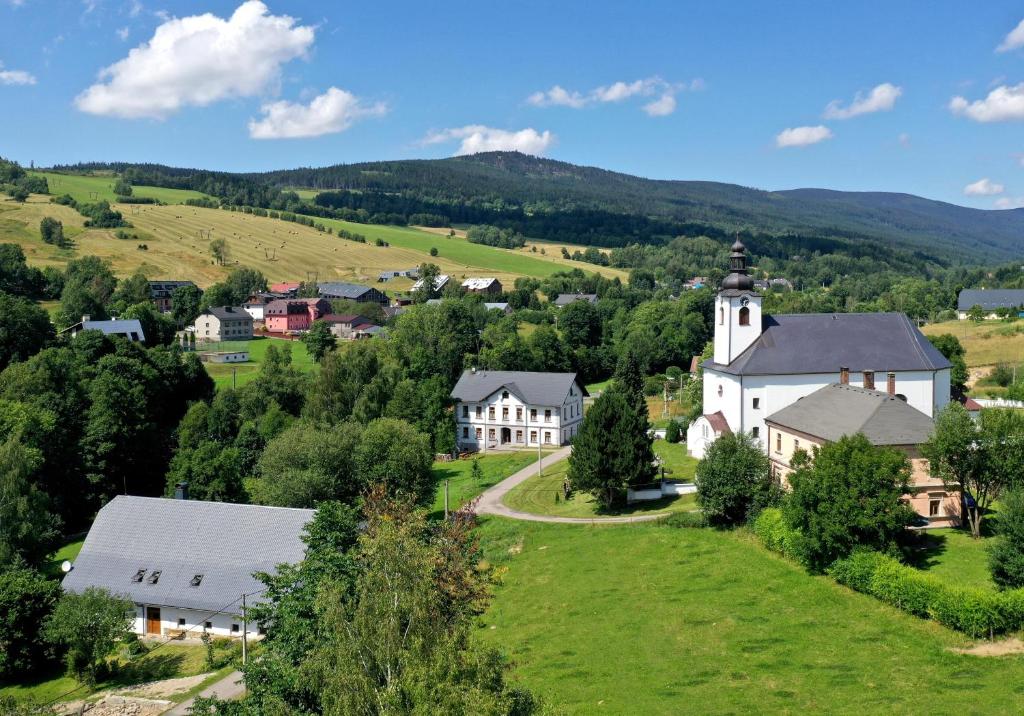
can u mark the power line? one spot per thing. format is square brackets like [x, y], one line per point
[163, 643]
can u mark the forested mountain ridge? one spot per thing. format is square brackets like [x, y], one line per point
[547, 185]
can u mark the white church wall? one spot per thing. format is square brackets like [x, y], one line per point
[722, 393]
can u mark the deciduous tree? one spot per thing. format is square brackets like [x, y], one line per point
[88, 626]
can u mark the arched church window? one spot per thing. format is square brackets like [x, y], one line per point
[720, 391]
[721, 316]
[744, 316]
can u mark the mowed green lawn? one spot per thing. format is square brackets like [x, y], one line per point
[646, 619]
[542, 495]
[956, 557]
[81, 188]
[226, 374]
[462, 488]
[678, 465]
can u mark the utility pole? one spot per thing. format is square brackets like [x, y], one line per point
[446, 500]
[245, 630]
[234, 377]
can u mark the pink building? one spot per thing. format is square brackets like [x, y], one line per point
[294, 314]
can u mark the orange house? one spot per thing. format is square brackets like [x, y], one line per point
[294, 314]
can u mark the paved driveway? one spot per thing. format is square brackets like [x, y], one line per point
[491, 501]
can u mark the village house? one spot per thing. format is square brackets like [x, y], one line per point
[763, 363]
[1006, 300]
[499, 306]
[352, 292]
[162, 292]
[440, 281]
[482, 285]
[397, 273]
[348, 326]
[839, 409]
[564, 299]
[185, 564]
[128, 328]
[287, 289]
[223, 323]
[294, 314]
[516, 409]
[256, 304]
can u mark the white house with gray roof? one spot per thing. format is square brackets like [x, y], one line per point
[990, 300]
[498, 408]
[128, 328]
[763, 363]
[223, 323]
[186, 563]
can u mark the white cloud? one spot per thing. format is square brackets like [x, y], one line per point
[802, 136]
[479, 138]
[198, 60]
[557, 96]
[1013, 40]
[880, 99]
[984, 187]
[616, 92]
[1010, 202]
[134, 8]
[664, 105]
[123, 33]
[1002, 104]
[333, 111]
[15, 77]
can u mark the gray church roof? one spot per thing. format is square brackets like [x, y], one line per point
[532, 388]
[837, 410]
[990, 299]
[180, 539]
[825, 342]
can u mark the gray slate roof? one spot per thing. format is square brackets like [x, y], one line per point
[341, 289]
[531, 388]
[564, 299]
[837, 410]
[824, 342]
[224, 542]
[116, 327]
[990, 299]
[228, 313]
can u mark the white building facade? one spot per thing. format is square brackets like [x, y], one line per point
[763, 363]
[511, 409]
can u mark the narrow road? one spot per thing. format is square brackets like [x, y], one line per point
[491, 501]
[230, 687]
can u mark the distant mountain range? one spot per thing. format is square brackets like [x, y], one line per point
[900, 220]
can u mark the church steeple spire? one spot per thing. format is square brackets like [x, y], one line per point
[738, 278]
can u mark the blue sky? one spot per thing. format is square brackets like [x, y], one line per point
[674, 90]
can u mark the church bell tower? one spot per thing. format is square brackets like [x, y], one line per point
[737, 309]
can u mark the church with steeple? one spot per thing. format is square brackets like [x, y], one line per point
[763, 363]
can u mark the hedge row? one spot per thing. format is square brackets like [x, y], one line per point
[976, 612]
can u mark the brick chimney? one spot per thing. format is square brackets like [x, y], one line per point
[869, 379]
[890, 386]
[844, 375]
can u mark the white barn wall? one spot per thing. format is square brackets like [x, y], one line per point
[194, 621]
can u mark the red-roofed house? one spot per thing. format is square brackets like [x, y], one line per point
[288, 288]
[294, 314]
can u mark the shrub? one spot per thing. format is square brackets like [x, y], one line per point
[673, 434]
[685, 520]
[653, 385]
[734, 481]
[771, 528]
[1002, 375]
[1006, 559]
[433, 251]
[973, 611]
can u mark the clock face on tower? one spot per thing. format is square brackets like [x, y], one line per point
[744, 301]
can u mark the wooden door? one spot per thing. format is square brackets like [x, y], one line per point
[152, 620]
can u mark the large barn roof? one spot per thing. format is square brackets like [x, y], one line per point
[990, 299]
[181, 539]
[825, 342]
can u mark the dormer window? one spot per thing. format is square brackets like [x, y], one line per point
[504, 395]
[154, 577]
[139, 576]
[196, 580]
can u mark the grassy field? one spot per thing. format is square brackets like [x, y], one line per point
[170, 661]
[224, 374]
[462, 488]
[986, 343]
[678, 465]
[68, 552]
[654, 620]
[543, 496]
[656, 409]
[178, 246]
[956, 557]
[85, 188]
